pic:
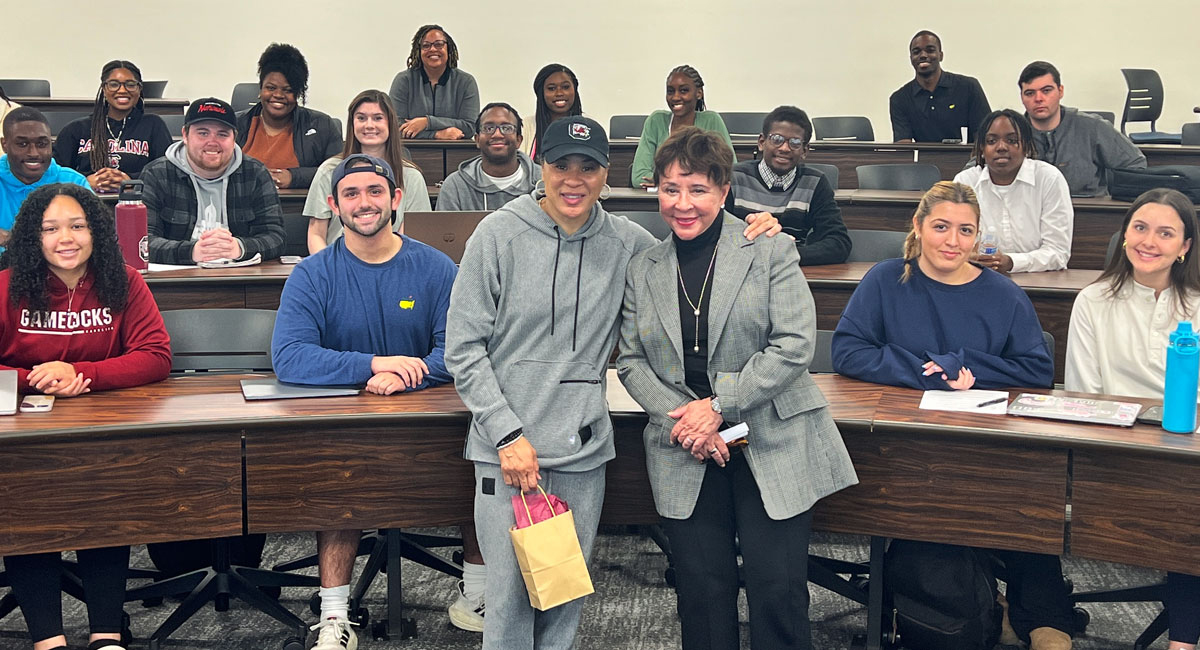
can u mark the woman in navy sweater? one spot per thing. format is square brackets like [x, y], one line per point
[935, 321]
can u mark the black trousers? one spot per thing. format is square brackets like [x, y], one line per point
[36, 582]
[1183, 607]
[704, 549]
[1037, 595]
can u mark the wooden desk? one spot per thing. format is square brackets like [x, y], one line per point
[249, 287]
[156, 106]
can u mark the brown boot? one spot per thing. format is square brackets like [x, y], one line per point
[1007, 635]
[1048, 638]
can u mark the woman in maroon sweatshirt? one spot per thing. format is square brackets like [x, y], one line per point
[74, 319]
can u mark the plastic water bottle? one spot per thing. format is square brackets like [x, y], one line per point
[1183, 370]
[130, 216]
[988, 244]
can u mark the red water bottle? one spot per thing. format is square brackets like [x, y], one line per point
[131, 225]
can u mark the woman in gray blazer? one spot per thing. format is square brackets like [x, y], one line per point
[719, 330]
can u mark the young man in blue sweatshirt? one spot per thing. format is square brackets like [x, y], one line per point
[27, 164]
[369, 309]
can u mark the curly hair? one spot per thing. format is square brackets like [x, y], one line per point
[287, 61]
[28, 263]
[414, 55]
[542, 117]
[691, 73]
[100, 132]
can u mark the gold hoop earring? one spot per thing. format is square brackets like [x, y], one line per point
[1182, 257]
[1124, 243]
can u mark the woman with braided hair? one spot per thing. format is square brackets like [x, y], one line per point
[685, 99]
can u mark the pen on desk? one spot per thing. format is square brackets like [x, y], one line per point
[991, 401]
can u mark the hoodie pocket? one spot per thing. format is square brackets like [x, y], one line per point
[558, 403]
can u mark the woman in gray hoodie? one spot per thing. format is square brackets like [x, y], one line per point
[534, 316]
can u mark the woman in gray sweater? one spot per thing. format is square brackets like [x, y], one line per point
[433, 98]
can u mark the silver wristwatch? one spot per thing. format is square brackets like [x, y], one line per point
[716, 404]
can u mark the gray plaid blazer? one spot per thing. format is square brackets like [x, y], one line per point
[762, 329]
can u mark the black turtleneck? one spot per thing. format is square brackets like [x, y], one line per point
[694, 259]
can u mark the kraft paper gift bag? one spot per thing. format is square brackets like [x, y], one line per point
[548, 552]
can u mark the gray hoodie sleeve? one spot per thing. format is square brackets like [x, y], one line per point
[1116, 151]
[470, 325]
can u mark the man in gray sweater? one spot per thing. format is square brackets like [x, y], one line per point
[1083, 146]
[500, 173]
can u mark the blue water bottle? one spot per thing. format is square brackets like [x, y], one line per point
[1183, 370]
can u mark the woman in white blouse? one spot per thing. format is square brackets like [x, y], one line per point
[1117, 343]
[1025, 203]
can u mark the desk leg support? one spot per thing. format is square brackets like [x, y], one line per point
[875, 614]
[395, 622]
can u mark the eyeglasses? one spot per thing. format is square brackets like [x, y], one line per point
[506, 129]
[114, 85]
[433, 45]
[778, 140]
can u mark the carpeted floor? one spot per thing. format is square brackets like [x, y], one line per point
[632, 608]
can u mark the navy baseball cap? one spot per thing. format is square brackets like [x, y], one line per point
[361, 162]
[576, 134]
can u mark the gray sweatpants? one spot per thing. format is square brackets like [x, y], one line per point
[511, 623]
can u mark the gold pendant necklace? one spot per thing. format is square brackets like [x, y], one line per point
[700, 300]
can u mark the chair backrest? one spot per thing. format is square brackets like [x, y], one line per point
[1049, 339]
[295, 234]
[153, 89]
[625, 126]
[1191, 134]
[1114, 245]
[174, 123]
[220, 339]
[743, 124]
[832, 173]
[902, 176]
[651, 221]
[1144, 100]
[848, 127]
[244, 96]
[337, 122]
[822, 360]
[26, 87]
[1107, 116]
[446, 231]
[875, 245]
[59, 119]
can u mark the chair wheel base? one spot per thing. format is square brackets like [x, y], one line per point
[293, 643]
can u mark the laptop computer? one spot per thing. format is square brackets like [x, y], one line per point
[256, 389]
[445, 231]
[8, 392]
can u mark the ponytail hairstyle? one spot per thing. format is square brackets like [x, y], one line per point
[941, 192]
[99, 153]
[690, 72]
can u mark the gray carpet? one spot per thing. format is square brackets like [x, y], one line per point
[632, 607]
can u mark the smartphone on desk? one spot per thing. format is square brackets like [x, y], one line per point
[1152, 415]
[37, 403]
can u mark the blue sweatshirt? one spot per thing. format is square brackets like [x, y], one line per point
[13, 191]
[337, 312]
[889, 330]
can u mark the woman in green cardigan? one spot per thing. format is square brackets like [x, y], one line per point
[685, 99]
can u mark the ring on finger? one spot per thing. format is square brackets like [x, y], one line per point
[713, 450]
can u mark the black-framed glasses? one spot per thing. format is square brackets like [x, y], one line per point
[778, 140]
[433, 45]
[114, 85]
[506, 129]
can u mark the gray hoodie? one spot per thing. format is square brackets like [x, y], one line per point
[1085, 147]
[210, 192]
[534, 316]
[470, 189]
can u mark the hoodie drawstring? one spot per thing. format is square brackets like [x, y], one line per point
[554, 287]
[554, 278]
[578, 281]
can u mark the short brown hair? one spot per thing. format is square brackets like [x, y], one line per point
[696, 150]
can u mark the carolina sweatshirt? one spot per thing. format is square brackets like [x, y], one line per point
[115, 349]
[534, 316]
[143, 137]
[470, 189]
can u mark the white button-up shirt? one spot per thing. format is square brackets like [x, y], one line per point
[1032, 218]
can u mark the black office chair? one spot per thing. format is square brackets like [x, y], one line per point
[213, 340]
[174, 123]
[1107, 116]
[832, 173]
[1114, 246]
[875, 245]
[1143, 103]
[651, 221]
[903, 176]
[153, 89]
[244, 96]
[625, 126]
[1143, 594]
[845, 128]
[26, 87]
[822, 361]
[1191, 134]
[60, 119]
[743, 124]
[295, 234]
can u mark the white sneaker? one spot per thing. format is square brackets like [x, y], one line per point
[335, 634]
[466, 614]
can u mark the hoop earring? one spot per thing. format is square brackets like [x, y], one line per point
[1124, 243]
[605, 192]
[539, 189]
[1182, 257]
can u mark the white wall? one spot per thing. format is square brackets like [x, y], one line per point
[827, 57]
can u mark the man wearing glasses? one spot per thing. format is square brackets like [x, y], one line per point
[780, 185]
[500, 173]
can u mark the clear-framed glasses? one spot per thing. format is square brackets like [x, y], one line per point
[778, 140]
[433, 45]
[114, 85]
[506, 129]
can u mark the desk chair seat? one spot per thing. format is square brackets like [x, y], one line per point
[1144, 103]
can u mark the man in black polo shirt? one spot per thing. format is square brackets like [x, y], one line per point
[936, 104]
